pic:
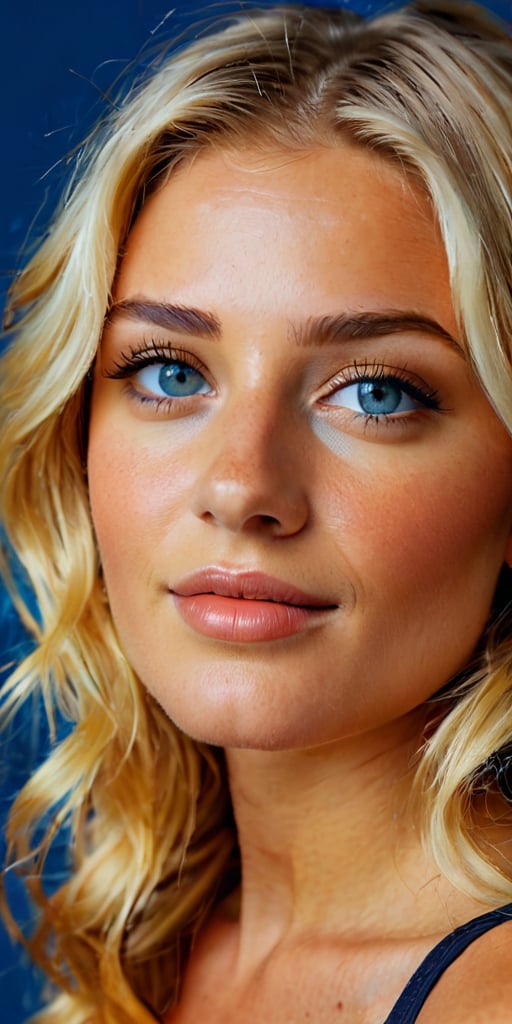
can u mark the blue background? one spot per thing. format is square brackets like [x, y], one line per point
[57, 59]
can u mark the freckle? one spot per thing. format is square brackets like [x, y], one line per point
[339, 1006]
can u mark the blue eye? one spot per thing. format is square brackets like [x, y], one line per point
[174, 379]
[379, 397]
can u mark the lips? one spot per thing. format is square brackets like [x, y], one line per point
[246, 607]
[250, 586]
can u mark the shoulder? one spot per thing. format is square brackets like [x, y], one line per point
[477, 987]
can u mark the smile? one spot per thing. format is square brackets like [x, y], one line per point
[246, 607]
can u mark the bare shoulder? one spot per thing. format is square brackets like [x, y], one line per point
[476, 988]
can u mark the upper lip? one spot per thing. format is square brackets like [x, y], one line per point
[253, 586]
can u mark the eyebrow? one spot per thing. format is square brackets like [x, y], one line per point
[370, 324]
[317, 331]
[170, 316]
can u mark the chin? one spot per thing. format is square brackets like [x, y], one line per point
[267, 706]
[248, 735]
[249, 725]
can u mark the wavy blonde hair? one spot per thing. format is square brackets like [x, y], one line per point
[151, 840]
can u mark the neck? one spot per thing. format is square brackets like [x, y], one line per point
[328, 836]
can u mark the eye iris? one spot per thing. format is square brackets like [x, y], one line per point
[379, 397]
[179, 379]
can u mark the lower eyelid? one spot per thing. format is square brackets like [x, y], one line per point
[162, 404]
[153, 403]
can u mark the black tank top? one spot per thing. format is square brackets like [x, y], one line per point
[410, 1002]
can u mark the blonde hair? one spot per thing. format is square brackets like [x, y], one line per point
[152, 841]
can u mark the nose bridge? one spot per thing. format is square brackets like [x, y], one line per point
[256, 419]
[250, 473]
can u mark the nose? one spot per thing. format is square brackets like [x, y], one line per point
[252, 475]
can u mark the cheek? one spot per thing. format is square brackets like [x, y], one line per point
[412, 531]
[135, 495]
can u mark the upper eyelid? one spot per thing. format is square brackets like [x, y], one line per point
[409, 382]
[357, 371]
[153, 352]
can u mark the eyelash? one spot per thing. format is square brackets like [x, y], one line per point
[373, 372]
[156, 352]
[137, 359]
[153, 354]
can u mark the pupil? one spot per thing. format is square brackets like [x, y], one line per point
[178, 379]
[379, 397]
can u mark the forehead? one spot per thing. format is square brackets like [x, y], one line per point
[314, 184]
[339, 220]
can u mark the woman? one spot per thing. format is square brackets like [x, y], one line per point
[258, 468]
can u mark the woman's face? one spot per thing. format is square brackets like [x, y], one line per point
[302, 497]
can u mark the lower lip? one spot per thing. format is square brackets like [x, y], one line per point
[242, 621]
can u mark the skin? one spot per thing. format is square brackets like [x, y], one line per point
[400, 525]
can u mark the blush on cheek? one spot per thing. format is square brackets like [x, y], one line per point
[417, 533]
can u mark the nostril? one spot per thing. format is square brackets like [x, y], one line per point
[269, 520]
[258, 502]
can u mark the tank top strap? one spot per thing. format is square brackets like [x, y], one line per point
[419, 986]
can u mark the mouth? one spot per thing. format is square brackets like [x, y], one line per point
[246, 607]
